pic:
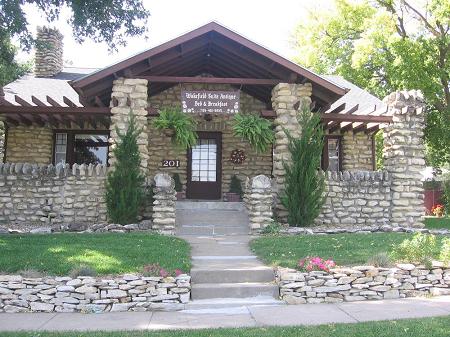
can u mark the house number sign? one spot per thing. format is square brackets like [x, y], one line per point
[170, 163]
[209, 102]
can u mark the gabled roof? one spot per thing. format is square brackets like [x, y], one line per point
[212, 49]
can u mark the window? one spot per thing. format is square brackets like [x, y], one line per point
[204, 158]
[332, 154]
[75, 147]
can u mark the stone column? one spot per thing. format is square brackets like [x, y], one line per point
[164, 196]
[49, 52]
[129, 96]
[258, 201]
[404, 157]
[284, 99]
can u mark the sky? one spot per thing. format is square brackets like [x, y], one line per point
[267, 22]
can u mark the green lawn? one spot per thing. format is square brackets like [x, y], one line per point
[107, 253]
[344, 249]
[426, 327]
[437, 223]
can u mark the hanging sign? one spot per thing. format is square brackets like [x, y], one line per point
[209, 102]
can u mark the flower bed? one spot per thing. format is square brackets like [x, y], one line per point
[362, 283]
[93, 295]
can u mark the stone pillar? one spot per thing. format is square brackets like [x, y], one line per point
[284, 99]
[404, 157]
[129, 96]
[258, 200]
[164, 196]
[49, 52]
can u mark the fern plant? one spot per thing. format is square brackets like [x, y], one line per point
[182, 125]
[254, 129]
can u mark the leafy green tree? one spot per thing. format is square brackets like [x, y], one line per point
[383, 46]
[303, 196]
[124, 185]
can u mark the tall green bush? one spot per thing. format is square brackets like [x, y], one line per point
[446, 192]
[124, 184]
[303, 195]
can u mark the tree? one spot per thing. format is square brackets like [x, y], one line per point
[383, 46]
[303, 196]
[101, 20]
[124, 185]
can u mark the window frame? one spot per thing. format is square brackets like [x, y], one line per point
[70, 153]
[325, 154]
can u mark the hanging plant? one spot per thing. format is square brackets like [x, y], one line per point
[177, 125]
[254, 129]
[237, 156]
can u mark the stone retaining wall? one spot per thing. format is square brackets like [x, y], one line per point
[93, 295]
[33, 195]
[362, 283]
[361, 198]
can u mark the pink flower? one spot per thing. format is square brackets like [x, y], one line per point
[163, 272]
[178, 272]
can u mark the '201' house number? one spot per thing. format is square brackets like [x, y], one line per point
[170, 163]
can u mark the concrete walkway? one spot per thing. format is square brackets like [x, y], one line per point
[253, 316]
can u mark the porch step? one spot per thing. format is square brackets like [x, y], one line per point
[211, 230]
[209, 205]
[233, 290]
[220, 305]
[232, 275]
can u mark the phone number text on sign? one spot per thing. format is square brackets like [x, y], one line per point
[210, 101]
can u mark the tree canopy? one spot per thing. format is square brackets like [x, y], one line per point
[383, 46]
[109, 21]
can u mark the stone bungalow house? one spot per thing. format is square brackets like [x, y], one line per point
[69, 115]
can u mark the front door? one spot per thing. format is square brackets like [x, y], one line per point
[204, 167]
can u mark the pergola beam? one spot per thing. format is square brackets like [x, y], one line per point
[214, 80]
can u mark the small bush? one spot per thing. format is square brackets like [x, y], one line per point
[236, 186]
[82, 270]
[444, 256]
[177, 181]
[418, 249]
[381, 259]
[273, 228]
[31, 273]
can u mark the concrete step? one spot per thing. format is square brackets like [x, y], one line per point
[225, 262]
[209, 205]
[233, 290]
[232, 275]
[219, 305]
[211, 230]
[208, 217]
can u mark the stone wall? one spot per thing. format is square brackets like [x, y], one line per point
[93, 295]
[30, 144]
[361, 198]
[362, 283]
[357, 152]
[161, 147]
[49, 52]
[35, 196]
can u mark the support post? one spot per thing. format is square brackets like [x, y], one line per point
[404, 157]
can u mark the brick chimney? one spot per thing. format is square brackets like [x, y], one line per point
[49, 52]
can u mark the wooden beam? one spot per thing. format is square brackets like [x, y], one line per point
[326, 117]
[216, 80]
[374, 128]
[337, 109]
[21, 101]
[52, 102]
[359, 128]
[99, 102]
[67, 101]
[37, 101]
[55, 110]
[336, 125]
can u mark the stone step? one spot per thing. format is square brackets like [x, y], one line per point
[218, 304]
[232, 275]
[211, 230]
[224, 218]
[233, 290]
[209, 205]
